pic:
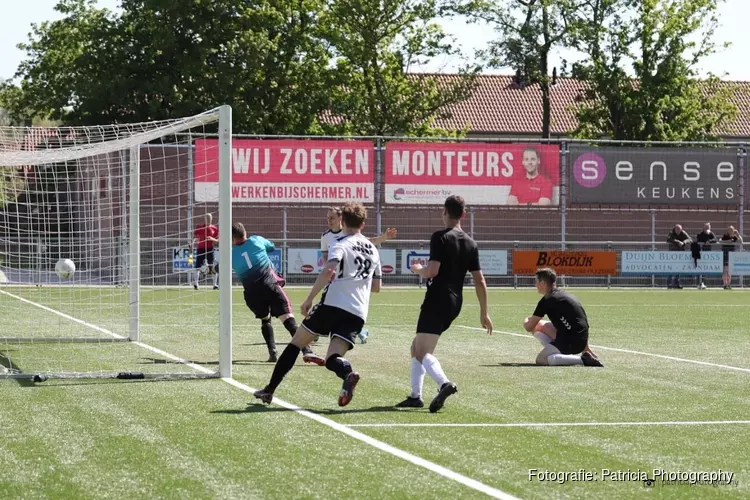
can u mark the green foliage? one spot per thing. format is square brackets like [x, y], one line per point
[663, 99]
[270, 60]
[527, 32]
[376, 44]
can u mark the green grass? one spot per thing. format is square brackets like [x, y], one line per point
[200, 439]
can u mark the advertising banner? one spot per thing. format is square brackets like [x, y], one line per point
[288, 171]
[414, 256]
[427, 173]
[182, 260]
[310, 261]
[670, 263]
[494, 262]
[599, 263]
[739, 263]
[637, 175]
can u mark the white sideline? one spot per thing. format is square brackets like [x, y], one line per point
[604, 348]
[413, 459]
[431, 466]
[564, 424]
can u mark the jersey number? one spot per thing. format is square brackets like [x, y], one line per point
[363, 267]
[247, 260]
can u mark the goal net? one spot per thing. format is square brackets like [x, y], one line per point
[116, 200]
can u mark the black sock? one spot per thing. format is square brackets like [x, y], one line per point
[266, 328]
[291, 325]
[283, 366]
[338, 365]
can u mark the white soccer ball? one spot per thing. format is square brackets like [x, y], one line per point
[65, 268]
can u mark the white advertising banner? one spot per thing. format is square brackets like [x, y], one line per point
[670, 263]
[310, 261]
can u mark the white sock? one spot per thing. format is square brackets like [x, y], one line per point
[215, 278]
[417, 371]
[433, 368]
[543, 338]
[564, 359]
[196, 276]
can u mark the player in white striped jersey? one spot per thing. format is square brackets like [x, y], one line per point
[351, 273]
[335, 227]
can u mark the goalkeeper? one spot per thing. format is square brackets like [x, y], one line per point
[263, 289]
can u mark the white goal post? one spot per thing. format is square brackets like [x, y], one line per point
[117, 201]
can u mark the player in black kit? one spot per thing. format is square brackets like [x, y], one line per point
[452, 254]
[565, 337]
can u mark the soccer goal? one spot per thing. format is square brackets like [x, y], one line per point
[117, 201]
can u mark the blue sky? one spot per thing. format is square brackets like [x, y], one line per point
[16, 21]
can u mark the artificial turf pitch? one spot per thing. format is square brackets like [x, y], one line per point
[673, 395]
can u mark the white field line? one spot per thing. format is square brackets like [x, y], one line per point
[565, 424]
[588, 306]
[111, 333]
[413, 459]
[629, 351]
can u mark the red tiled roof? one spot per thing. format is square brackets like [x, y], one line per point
[498, 106]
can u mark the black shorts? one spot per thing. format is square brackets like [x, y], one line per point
[438, 312]
[264, 300]
[726, 257]
[206, 256]
[568, 343]
[325, 320]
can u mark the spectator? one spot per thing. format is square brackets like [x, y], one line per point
[729, 242]
[705, 239]
[679, 241]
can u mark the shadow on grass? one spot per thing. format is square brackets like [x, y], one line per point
[263, 408]
[237, 362]
[252, 408]
[515, 365]
[6, 362]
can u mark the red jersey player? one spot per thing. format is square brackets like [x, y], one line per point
[533, 188]
[205, 237]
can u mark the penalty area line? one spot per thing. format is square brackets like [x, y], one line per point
[564, 424]
[628, 351]
[364, 438]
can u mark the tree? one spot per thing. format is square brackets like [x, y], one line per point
[663, 99]
[376, 44]
[162, 59]
[528, 31]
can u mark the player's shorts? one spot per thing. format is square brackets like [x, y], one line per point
[204, 256]
[568, 343]
[438, 312]
[267, 299]
[325, 320]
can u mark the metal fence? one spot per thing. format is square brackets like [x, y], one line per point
[685, 183]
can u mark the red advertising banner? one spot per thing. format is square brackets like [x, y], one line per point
[483, 173]
[288, 171]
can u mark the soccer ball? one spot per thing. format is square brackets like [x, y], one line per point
[65, 268]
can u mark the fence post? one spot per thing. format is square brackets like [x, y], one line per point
[563, 193]
[653, 243]
[609, 276]
[471, 222]
[378, 186]
[515, 276]
[741, 153]
[284, 236]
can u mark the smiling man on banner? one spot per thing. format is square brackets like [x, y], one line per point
[532, 188]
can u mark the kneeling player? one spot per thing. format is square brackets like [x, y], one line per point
[354, 262]
[565, 336]
[263, 293]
